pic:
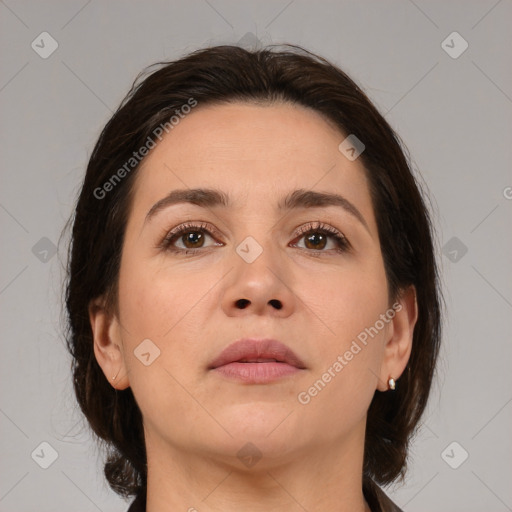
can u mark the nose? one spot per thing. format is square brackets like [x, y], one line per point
[261, 287]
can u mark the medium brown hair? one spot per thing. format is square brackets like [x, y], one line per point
[225, 74]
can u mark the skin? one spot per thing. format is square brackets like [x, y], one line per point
[195, 421]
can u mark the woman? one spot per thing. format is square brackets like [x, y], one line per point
[253, 297]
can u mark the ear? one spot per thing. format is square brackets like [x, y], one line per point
[108, 347]
[399, 338]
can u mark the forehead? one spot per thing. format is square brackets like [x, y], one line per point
[254, 153]
[241, 130]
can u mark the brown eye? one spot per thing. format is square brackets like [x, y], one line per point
[316, 241]
[189, 238]
[322, 238]
[193, 239]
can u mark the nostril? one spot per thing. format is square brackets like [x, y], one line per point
[276, 303]
[242, 303]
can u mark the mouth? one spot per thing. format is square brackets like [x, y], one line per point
[256, 361]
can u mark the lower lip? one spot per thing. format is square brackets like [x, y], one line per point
[257, 373]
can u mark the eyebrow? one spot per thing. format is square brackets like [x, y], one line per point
[300, 198]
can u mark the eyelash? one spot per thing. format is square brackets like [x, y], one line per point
[311, 227]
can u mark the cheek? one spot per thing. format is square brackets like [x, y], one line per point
[351, 334]
[162, 307]
[154, 302]
[347, 300]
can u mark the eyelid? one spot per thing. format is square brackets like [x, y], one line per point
[319, 226]
[209, 229]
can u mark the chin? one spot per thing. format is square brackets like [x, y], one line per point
[258, 452]
[269, 426]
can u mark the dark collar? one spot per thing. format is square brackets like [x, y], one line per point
[138, 504]
[377, 499]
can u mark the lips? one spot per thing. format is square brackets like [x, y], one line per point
[263, 351]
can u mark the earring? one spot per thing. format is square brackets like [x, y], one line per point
[391, 383]
[115, 376]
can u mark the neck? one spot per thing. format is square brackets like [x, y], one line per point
[328, 478]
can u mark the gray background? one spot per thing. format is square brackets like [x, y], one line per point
[454, 114]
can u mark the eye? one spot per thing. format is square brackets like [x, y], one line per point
[317, 237]
[188, 238]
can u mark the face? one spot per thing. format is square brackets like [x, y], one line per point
[270, 264]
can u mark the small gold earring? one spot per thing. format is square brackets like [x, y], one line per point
[391, 383]
[115, 376]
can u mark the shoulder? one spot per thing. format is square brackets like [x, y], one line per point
[377, 499]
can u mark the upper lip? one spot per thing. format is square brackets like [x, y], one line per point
[253, 349]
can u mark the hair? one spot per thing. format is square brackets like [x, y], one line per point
[219, 75]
